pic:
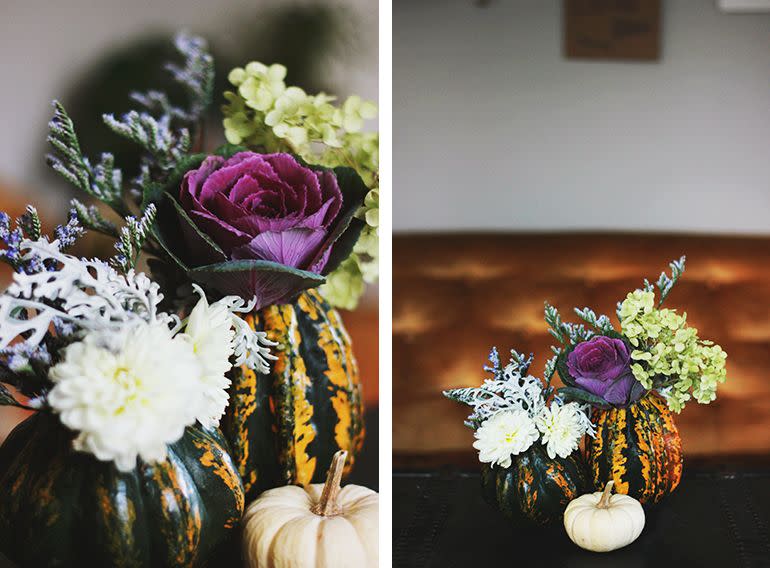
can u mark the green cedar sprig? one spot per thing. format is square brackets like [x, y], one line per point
[165, 146]
[102, 181]
[196, 75]
[30, 223]
[132, 239]
[90, 217]
[664, 283]
[568, 334]
[166, 132]
[549, 372]
[601, 323]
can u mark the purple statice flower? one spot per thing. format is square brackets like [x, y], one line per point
[19, 356]
[68, 234]
[11, 238]
[5, 225]
[28, 227]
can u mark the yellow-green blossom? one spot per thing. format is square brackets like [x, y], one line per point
[344, 286]
[668, 350]
[267, 115]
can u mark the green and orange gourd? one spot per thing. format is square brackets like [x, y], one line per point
[285, 427]
[535, 487]
[638, 447]
[59, 507]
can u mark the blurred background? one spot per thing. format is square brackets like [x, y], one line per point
[91, 54]
[564, 150]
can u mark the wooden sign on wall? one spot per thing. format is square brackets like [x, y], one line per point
[612, 29]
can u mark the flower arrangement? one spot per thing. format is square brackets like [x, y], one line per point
[512, 411]
[131, 374]
[620, 389]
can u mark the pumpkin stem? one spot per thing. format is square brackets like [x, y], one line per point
[327, 506]
[604, 502]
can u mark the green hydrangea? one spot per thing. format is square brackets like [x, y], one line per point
[265, 114]
[669, 356]
[345, 285]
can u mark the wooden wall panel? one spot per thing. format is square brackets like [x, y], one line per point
[454, 296]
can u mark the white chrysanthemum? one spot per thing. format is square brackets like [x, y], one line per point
[211, 334]
[562, 428]
[507, 433]
[126, 394]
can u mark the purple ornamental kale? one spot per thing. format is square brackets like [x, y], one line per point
[602, 366]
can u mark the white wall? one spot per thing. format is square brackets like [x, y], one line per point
[495, 129]
[45, 43]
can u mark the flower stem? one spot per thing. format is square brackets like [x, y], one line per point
[604, 502]
[327, 506]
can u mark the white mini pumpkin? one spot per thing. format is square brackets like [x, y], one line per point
[319, 526]
[602, 522]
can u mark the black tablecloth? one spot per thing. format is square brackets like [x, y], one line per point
[713, 518]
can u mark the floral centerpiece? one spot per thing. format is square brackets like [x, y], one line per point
[621, 388]
[166, 401]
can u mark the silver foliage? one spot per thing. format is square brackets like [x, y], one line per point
[87, 293]
[250, 347]
[510, 391]
[92, 295]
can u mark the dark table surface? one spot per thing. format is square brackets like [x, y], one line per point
[714, 518]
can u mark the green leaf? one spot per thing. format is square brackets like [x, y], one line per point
[270, 282]
[250, 264]
[171, 221]
[580, 395]
[347, 229]
[185, 218]
[159, 238]
[561, 368]
[344, 243]
[351, 184]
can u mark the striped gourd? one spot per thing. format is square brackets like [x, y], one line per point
[284, 427]
[535, 487]
[59, 507]
[639, 448]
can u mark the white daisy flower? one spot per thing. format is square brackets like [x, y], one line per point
[210, 332]
[505, 434]
[562, 428]
[126, 394]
